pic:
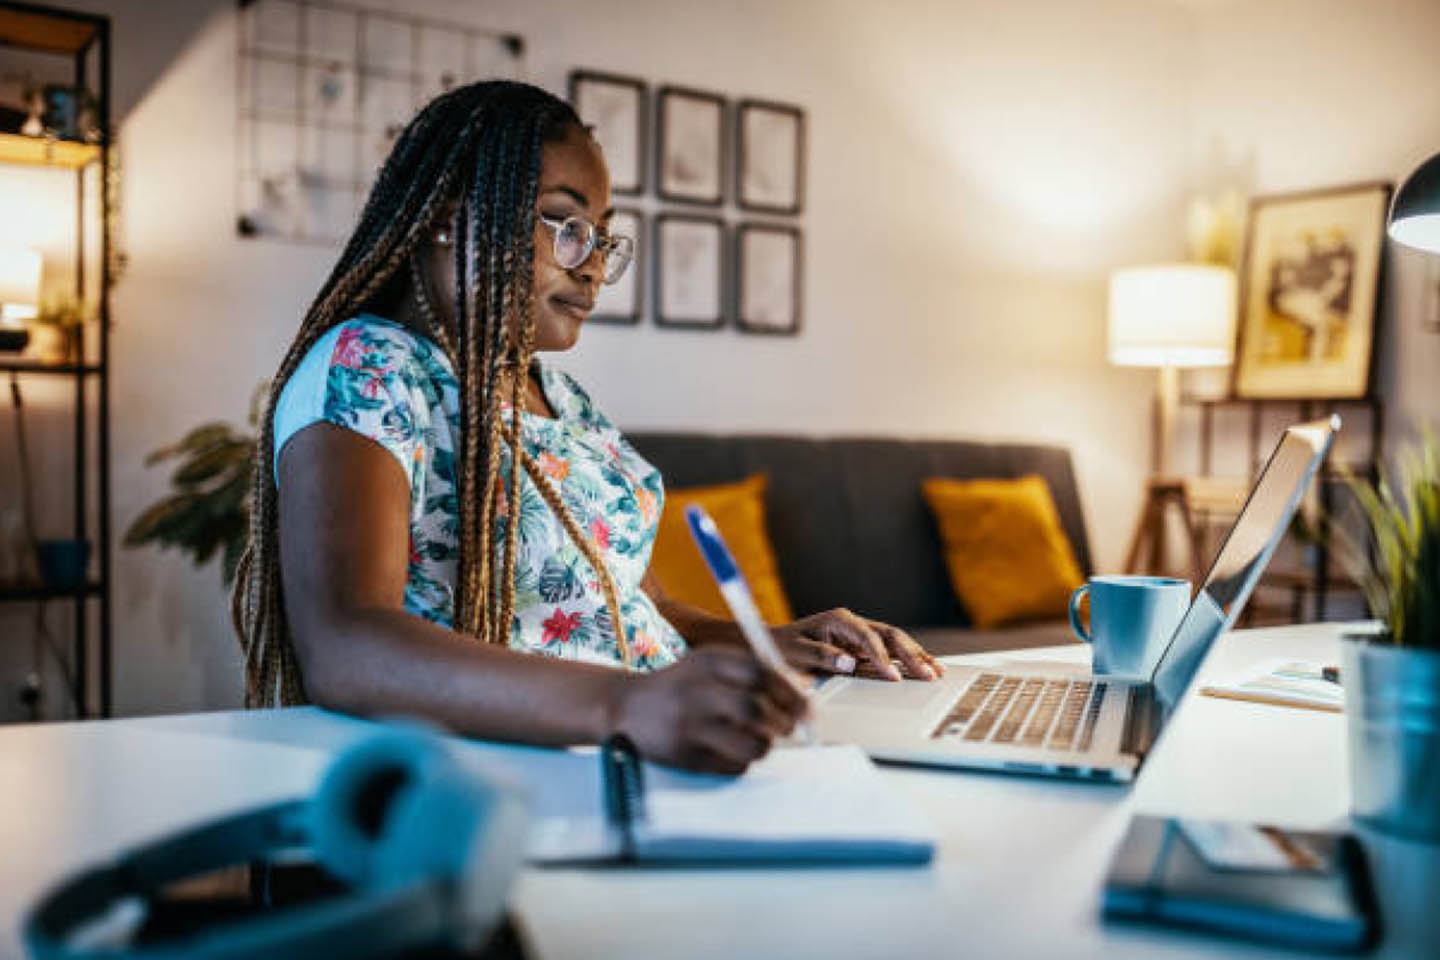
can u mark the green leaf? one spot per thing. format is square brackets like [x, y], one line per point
[212, 462]
[157, 519]
[198, 439]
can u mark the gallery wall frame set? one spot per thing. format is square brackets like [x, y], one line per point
[704, 155]
[1310, 285]
[623, 303]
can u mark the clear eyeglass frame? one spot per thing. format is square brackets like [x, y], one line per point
[577, 238]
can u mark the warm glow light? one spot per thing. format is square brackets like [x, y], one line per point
[19, 284]
[1172, 315]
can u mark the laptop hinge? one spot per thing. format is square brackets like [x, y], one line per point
[1140, 721]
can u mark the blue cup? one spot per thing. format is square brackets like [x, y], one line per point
[1131, 620]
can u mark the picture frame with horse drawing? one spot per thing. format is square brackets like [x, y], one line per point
[1310, 285]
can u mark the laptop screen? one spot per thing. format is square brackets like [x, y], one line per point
[1242, 558]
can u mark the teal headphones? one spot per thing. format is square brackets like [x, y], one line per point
[425, 849]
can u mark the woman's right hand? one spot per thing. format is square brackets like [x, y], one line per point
[715, 710]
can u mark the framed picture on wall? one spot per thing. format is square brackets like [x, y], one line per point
[623, 302]
[691, 146]
[1309, 287]
[768, 271]
[770, 172]
[689, 266]
[615, 107]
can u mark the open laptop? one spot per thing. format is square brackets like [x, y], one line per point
[1091, 727]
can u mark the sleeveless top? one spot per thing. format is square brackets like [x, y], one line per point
[387, 383]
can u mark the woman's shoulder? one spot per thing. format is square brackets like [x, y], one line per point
[376, 343]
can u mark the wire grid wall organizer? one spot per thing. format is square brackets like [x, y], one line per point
[324, 89]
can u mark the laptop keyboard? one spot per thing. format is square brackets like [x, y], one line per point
[1029, 711]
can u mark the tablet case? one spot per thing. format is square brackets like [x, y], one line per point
[1159, 876]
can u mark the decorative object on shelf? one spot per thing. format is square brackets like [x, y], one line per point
[1214, 227]
[210, 508]
[34, 125]
[689, 253]
[1169, 316]
[616, 109]
[769, 278]
[770, 169]
[70, 114]
[691, 146]
[53, 329]
[623, 302]
[325, 87]
[19, 295]
[63, 563]
[1310, 285]
[1392, 675]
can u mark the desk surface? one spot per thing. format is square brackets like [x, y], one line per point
[1017, 874]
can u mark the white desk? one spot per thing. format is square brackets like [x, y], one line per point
[1018, 872]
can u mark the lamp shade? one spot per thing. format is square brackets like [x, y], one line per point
[19, 282]
[1172, 315]
[1415, 211]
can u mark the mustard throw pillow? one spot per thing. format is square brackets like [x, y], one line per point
[739, 511]
[1008, 556]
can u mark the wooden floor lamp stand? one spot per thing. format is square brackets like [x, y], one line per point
[1160, 494]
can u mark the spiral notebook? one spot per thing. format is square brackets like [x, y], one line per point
[802, 805]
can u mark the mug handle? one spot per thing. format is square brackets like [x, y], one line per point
[1075, 599]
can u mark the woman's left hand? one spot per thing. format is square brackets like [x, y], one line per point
[838, 641]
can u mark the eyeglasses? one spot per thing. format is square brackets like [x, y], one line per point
[577, 238]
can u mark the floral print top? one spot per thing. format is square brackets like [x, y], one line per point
[385, 382]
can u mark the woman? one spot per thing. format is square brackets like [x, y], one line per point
[400, 516]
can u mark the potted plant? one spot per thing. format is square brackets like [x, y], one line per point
[1392, 673]
[52, 330]
[208, 511]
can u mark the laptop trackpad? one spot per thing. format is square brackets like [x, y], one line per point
[907, 696]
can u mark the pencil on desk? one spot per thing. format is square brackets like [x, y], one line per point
[1223, 694]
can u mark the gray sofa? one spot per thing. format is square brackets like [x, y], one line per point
[850, 527]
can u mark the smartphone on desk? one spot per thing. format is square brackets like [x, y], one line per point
[1304, 889]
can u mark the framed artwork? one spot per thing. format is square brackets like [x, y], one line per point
[1309, 286]
[770, 173]
[689, 255]
[691, 146]
[768, 271]
[623, 302]
[615, 107]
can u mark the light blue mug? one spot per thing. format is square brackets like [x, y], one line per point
[1131, 620]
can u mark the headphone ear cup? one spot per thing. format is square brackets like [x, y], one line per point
[431, 827]
[353, 815]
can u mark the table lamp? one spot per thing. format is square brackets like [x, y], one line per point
[19, 295]
[1415, 211]
[1169, 316]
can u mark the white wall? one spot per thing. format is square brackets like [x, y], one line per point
[1295, 94]
[1050, 139]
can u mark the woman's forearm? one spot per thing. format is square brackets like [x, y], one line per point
[390, 662]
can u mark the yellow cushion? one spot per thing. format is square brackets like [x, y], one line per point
[739, 511]
[1008, 556]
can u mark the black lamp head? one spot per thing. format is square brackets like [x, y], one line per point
[1415, 212]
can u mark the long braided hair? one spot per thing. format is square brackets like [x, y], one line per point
[480, 145]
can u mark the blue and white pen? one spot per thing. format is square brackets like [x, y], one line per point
[740, 601]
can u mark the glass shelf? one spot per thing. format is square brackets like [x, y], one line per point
[17, 592]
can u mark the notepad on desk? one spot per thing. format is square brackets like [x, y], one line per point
[1284, 683]
[803, 805]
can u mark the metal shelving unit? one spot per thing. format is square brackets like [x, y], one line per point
[1319, 583]
[84, 39]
